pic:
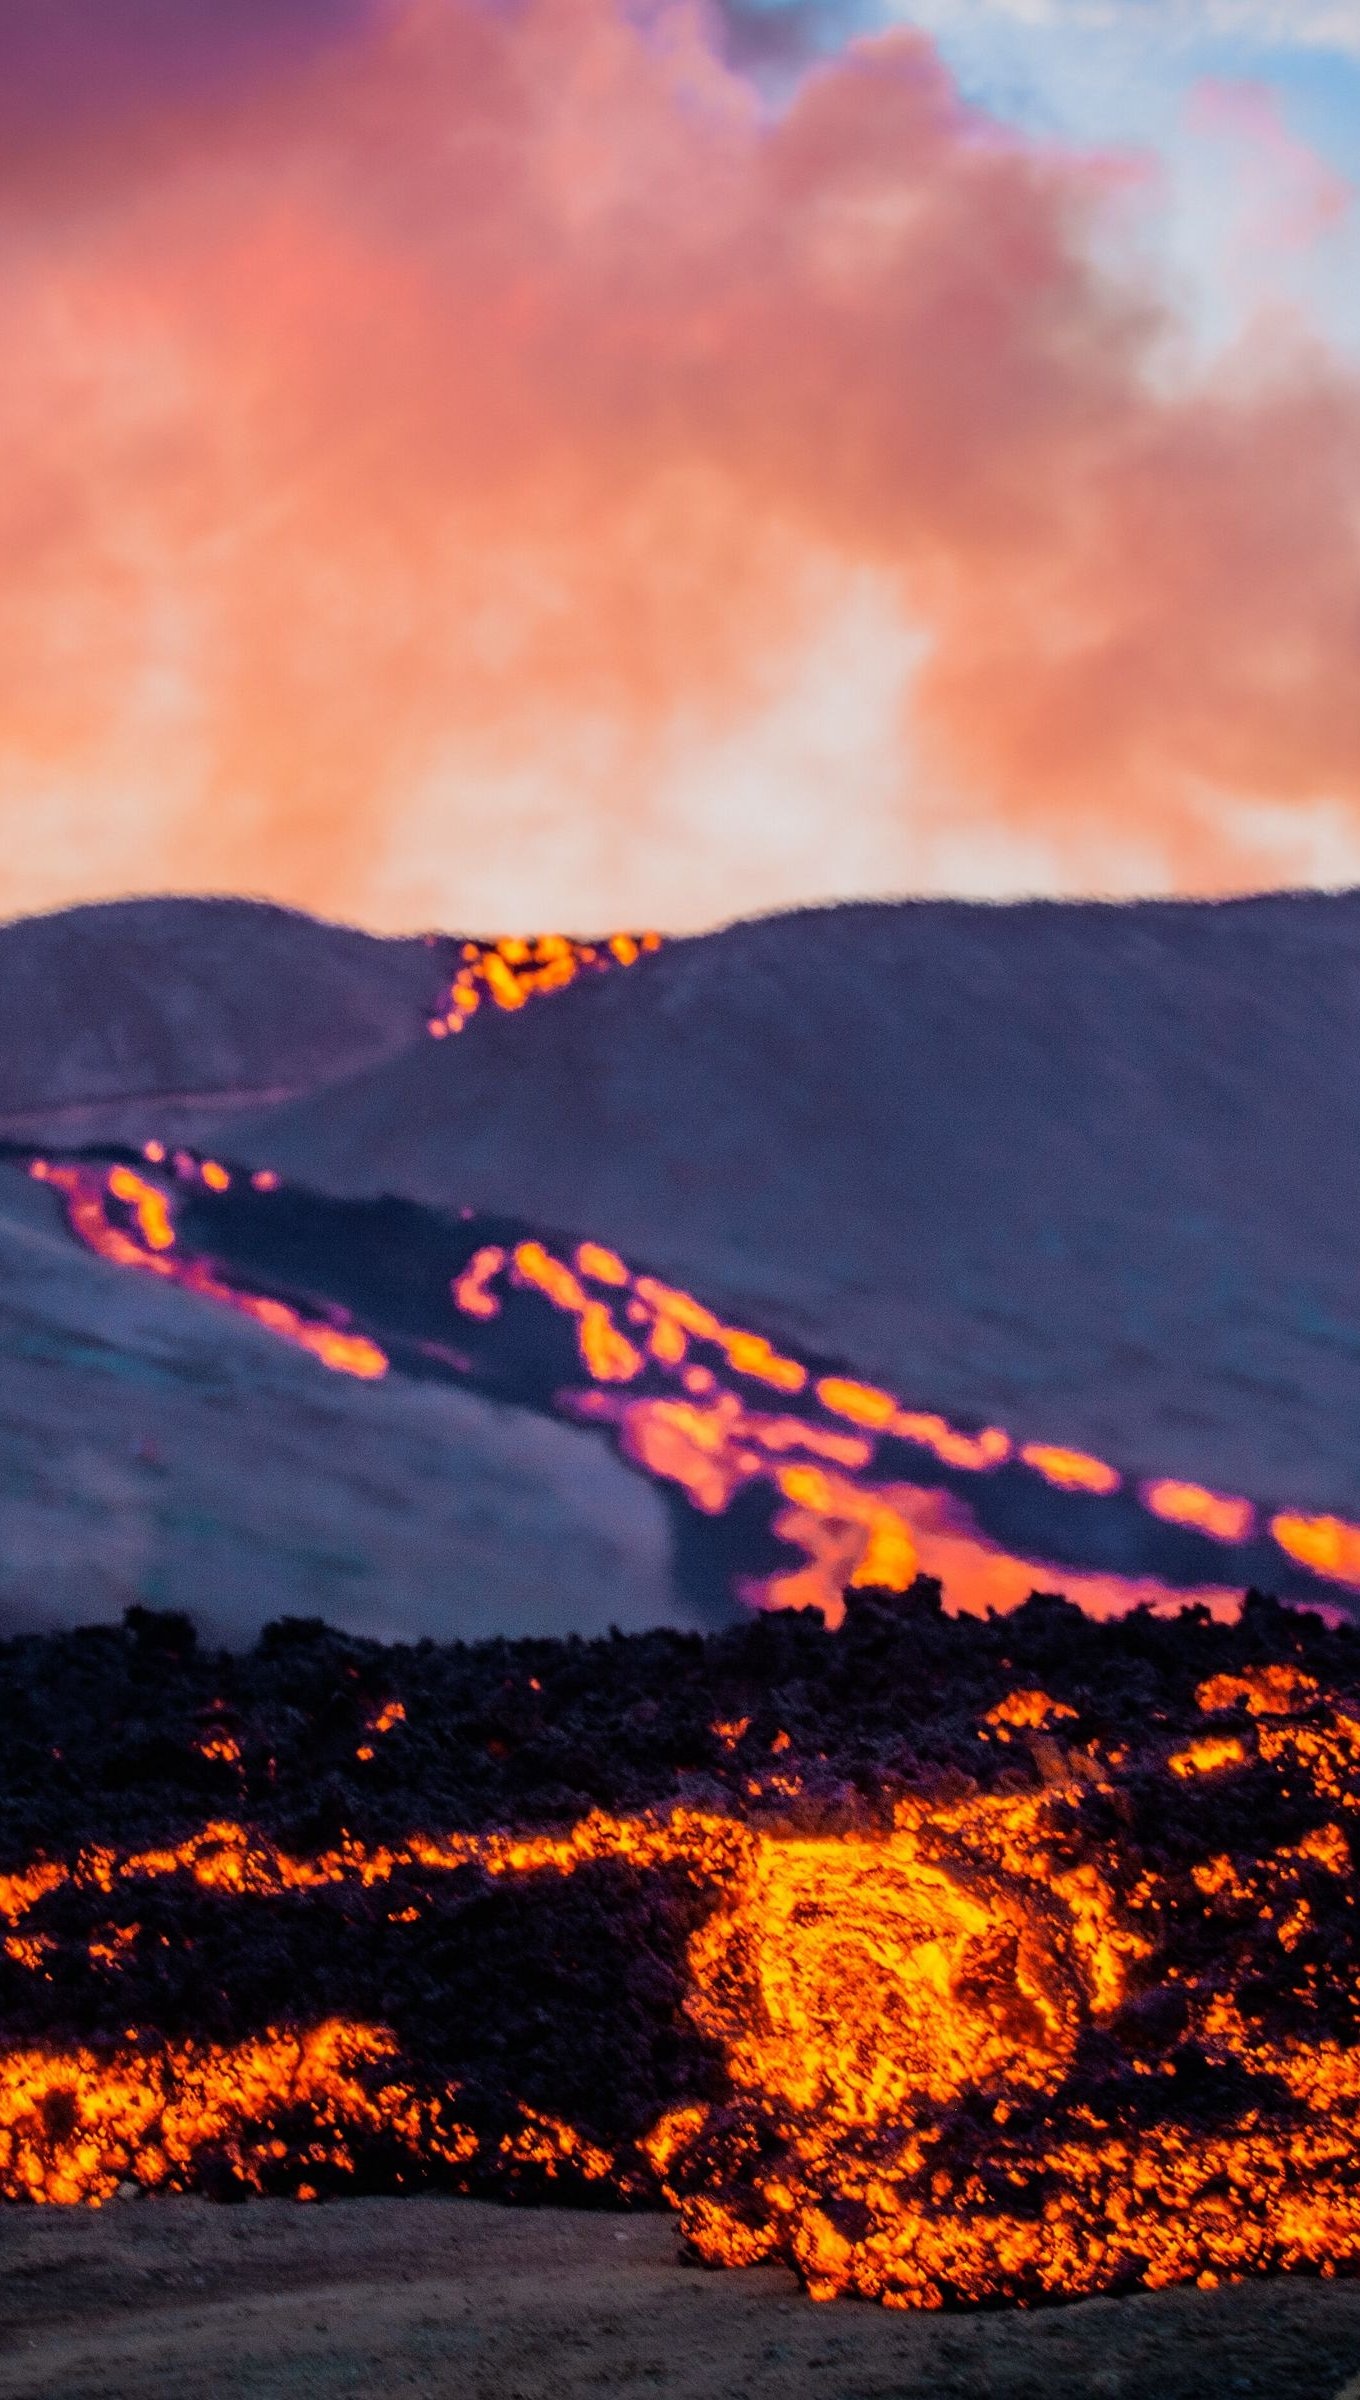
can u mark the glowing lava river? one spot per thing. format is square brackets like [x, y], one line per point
[865, 1950]
[790, 1479]
[947, 1939]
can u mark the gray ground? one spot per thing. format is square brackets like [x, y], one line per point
[181, 2300]
[156, 1447]
[1089, 1170]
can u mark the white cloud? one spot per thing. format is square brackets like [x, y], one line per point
[1276, 24]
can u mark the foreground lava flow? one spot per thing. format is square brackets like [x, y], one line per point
[902, 2017]
[1078, 2010]
[73, 2127]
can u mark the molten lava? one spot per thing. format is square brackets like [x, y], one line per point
[903, 2017]
[507, 973]
[867, 1492]
[1043, 2033]
[88, 1191]
[74, 2126]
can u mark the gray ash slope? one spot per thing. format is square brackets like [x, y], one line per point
[156, 1447]
[1088, 1169]
[138, 1016]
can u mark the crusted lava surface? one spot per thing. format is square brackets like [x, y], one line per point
[947, 1960]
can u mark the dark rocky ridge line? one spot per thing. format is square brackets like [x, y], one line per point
[101, 1729]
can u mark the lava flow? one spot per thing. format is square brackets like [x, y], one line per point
[945, 1962]
[148, 1242]
[508, 972]
[904, 2016]
[814, 1482]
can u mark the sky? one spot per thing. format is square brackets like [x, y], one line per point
[523, 464]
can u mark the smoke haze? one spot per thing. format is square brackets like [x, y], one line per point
[502, 465]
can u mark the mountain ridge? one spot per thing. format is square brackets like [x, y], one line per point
[122, 1012]
[1085, 1167]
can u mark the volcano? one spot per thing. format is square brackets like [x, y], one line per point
[1077, 1173]
[1082, 1170]
[893, 1363]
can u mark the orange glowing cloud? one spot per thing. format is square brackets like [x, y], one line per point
[430, 463]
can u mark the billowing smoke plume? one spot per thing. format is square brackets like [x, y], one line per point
[432, 427]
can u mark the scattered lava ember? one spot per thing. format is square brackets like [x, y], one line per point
[507, 973]
[1033, 1971]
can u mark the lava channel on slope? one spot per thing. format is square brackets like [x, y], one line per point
[789, 1480]
[948, 1961]
[517, 968]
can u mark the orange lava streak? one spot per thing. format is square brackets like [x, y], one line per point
[1069, 1470]
[149, 1204]
[729, 1730]
[1208, 1755]
[225, 1856]
[990, 1448]
[748, 1353]
[1025, 1711]
[29, 1950]
[545, 2142]
[601, 1265]
[1327, 1544]
[712, 1448]
[860, 1402]
[469, 1289]
[344, 1353]
[537, 1266]
[1274, 1691]
[19, 1893]
[607, 1354]
[1226, 1520]
[689, 1445]
[889, 1561]
[684, 1311]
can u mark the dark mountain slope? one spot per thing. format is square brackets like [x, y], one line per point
[1089, 1169]
[122, 1017]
